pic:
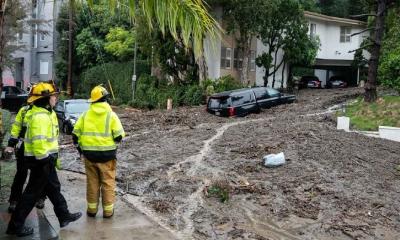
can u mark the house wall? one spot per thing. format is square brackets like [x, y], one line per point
[37, 53]
[260, 71]
[212, 53]
[330, 45]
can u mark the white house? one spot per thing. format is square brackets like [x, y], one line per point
[334, 56]
[336, 52]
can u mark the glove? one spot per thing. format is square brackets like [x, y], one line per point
[58, 164]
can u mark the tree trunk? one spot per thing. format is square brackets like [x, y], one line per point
[245, 64]
[266, 77]
[2, 41]
[70, 46]
[275, 68]
[201, 62]
[283, 74]
[370, 86]
[267, 69]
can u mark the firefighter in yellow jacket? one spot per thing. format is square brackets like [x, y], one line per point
[96, 135]
[40, 156]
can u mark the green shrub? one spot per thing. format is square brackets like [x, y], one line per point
[224, 83]
[389, 69]
[119, 75]
[194, 95]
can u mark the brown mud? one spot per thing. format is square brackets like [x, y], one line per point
[335, 185]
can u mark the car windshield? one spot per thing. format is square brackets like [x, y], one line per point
[76, 107]
[218, 102]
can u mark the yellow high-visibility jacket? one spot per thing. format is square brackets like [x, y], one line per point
[96, 130]
[19, 122]
[41, 137]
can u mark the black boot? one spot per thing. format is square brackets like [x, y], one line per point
[24, 231]
[72, 217]
[40, 204]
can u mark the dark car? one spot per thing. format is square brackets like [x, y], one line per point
[244, 101]
[13, 98]
[268, 97]
[68, 112]
[233, 103]
[310, 82]
[336, 82]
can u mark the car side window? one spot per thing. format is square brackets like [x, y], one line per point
[59, 107]
[6, 90]
[242, 98]
[273, 93]
[17, 90]
[261, 94]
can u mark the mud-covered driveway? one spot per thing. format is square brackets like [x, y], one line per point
[335, 185]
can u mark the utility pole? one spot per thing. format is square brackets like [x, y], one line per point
[70, 45]
[134, 76]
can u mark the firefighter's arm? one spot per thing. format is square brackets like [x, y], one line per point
[16, 129]
[116, 128]
[76, 133]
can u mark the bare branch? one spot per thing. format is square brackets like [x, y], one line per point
[362, 48]
[363, 31]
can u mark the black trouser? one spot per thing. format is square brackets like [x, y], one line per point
[43, 178]
[20, 176]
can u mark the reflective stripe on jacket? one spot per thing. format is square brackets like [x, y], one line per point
[97, 128]
[41, 137]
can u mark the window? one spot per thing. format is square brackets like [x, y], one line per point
[226, 57]
[345, 34]
[44, 67]
[237, 59]
[218, 103]
[42, 37]
[273, 93]
[242, 98]
[59, 106]
[261, 94]
[252, 60]
[313, 30]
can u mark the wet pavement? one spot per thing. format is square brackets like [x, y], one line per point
[36, 219]
[127, 222]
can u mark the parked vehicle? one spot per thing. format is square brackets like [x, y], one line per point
[244, 101]
[310, 82]
[12, 98]
[68, 112]
[336, 82]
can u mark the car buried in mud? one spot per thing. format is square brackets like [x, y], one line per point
[244, 101]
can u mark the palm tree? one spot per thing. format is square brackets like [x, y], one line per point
[188, 20]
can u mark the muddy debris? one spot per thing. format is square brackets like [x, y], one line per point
[335, 184]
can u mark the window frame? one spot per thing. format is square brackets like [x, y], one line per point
[227, 58]
[237, 59]
[345, 34]
[313, 30]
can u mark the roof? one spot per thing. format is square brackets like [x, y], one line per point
[227, 93]
[326, 18]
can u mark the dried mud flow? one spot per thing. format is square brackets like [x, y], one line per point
[335, 184]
